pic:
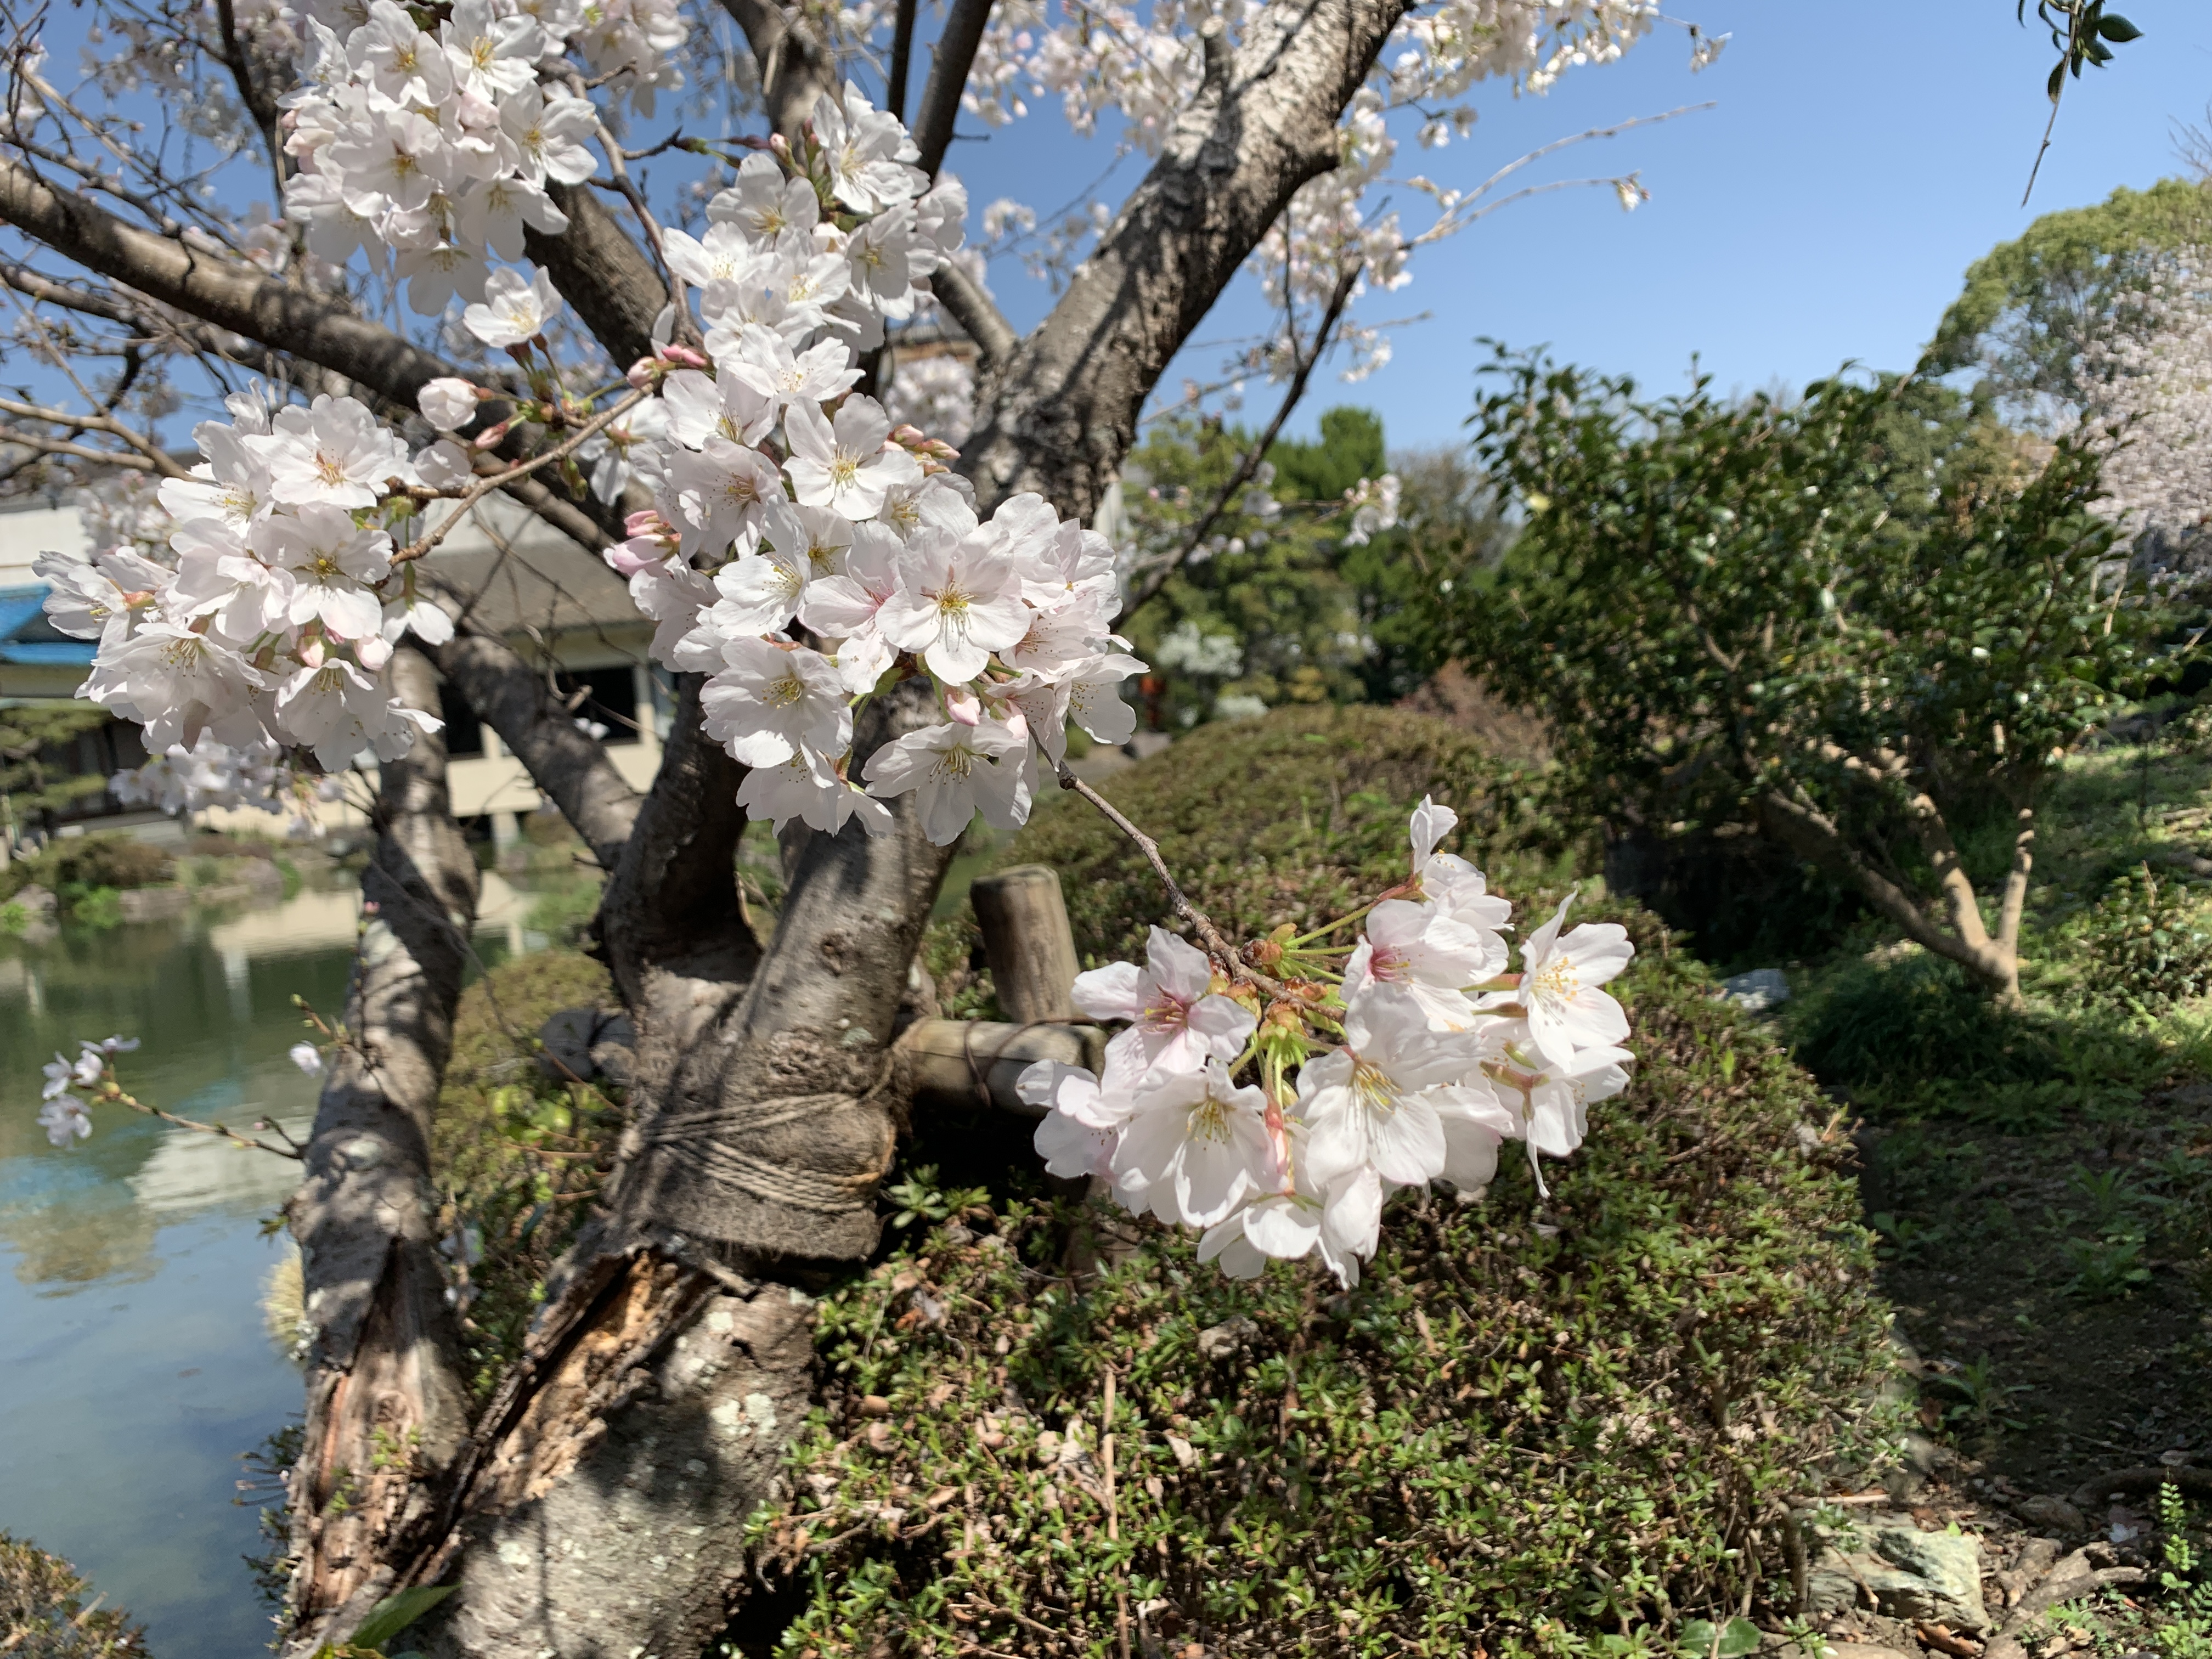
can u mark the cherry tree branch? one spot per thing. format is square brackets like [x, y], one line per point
[484, 487]
[1217, 946]
[949, 62]
[902, 56]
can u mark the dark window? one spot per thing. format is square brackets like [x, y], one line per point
[464, 732]
[610, 700]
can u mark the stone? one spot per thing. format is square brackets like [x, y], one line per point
[34, 899]
[1930, 1577]
[1938, 1577]
[1230, 1337]
[1756, 992]
[2055, 1514]
[1862, 1651]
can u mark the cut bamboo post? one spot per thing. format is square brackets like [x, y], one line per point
[1028, 943]
[964, 1061]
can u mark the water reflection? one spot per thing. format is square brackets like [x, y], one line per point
[134, 1367]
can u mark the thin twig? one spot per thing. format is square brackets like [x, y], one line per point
[1258, 452]
[483, 487]
[229, 1134]
[1216, 946]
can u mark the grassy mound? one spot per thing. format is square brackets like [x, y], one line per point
[1281, 819]
[1537, 1426]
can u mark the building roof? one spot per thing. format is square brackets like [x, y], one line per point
[28, 640]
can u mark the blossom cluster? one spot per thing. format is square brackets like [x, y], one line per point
[1279, 1123]
[210, 774]
[438, 146]
[271, 622]
[64, 1109]
[804, 554]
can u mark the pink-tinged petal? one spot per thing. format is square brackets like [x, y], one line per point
[1114, 992]
[1071, 1149]
[1408, 1143]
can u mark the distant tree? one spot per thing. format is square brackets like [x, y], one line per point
[1302, 589]
[1864, 621]
[34, 784]
[2031, 306]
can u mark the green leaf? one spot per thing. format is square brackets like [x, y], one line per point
[1734, 1639]
[395, 1612]
[2118, 30]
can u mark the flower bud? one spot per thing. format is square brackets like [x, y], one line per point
[492, 437]
[682, 356]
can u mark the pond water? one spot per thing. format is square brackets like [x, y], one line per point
[134, 1364]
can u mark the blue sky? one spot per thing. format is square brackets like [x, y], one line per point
[1859, 158]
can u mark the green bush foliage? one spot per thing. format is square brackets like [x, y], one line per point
[47, 1612]
[1536, 1427]
[1863, 621]
[80, 863]
[2148, 945]
[1283, 818]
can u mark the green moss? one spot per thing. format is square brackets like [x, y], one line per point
[47, 1612]
[1539, 1425]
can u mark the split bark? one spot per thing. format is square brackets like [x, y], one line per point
[387, 1411]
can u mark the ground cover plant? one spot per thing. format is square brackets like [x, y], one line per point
[1536, 1423]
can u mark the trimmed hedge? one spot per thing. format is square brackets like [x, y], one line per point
[1536, 1427]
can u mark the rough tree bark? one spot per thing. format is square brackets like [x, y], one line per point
[387, 1410]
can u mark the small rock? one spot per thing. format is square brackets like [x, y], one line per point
[1231, 1336]
[1862, 1651]
[1944, 1570]
[34, 899]
[1757, 991]
[874, 1404]
[2055, 1514]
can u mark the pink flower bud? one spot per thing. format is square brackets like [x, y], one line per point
[492, 437]
[313, 651]
[908, 437]
[641, 374]
[372, 652]
[639, 553]
[961, 703]
[682, 356]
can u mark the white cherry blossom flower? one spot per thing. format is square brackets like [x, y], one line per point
[1424, 950]
[770, 699]
[1177, 1021]
[516, 308]
[447, 402]
[955, 605]
[549, 130]
[720, 493]
[1377, 1103]
[332, 454]
[1559, 982]
[954, 771]
[701, 406]
[65, 1118]
[846, 465]
[1195, 1146]
[306, 1057]
[807, 788]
